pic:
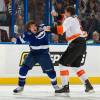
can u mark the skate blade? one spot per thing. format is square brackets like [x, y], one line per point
[19, 93]
[62, 94]
[91, 91]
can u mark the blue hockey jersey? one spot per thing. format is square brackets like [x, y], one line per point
[38, 42]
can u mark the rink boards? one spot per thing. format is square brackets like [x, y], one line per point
[11, 56]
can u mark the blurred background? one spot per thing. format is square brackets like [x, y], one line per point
[14, 14]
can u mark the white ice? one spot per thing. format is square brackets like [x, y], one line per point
[44, 92]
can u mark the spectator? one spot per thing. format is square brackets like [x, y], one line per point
[18, 13]
[92, 7]
[55, 38]
[2, 11]
[96, 37]
[36, 10]
[89, 15]
[90, 25]
[82, 8]
[58, 15]
[58, 11]
[3, 36]
[98, 22]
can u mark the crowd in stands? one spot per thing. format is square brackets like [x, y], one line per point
[6, 16]
[89, 15]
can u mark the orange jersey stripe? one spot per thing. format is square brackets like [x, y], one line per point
[73, 37]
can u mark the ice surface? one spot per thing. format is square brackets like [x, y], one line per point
[44, 92]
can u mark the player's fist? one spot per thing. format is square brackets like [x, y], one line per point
[85, 34]
[47, 28]
[53, 13]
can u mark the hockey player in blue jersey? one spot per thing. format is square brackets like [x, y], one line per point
[39, 53]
